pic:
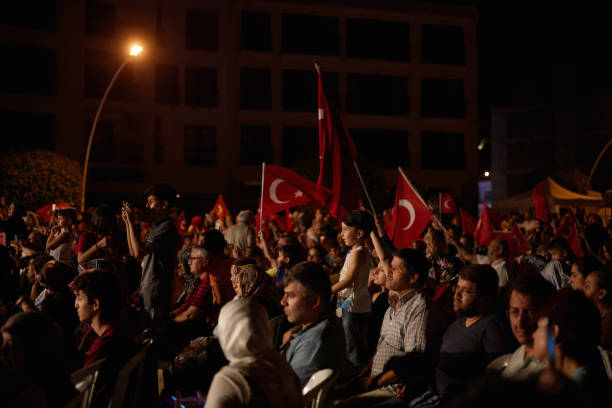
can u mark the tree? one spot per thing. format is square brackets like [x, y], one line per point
[38, 177]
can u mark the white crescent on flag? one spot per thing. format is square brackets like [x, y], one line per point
[273, 188]
[408, 205]
[447, 204]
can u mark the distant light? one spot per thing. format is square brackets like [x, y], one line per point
[481, 145]
[178, 196]
[487, 174]
[135, 50]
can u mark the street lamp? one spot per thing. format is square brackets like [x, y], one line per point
[134, 51]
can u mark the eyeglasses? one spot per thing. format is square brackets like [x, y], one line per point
[191, 258]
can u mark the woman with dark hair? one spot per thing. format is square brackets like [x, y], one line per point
[581, 268]
[32, 365]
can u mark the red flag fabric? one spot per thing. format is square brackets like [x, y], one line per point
[283, 189]
[483, 234]
[220, 209]
[447, 204]
[574, 242]
[45, 212]
[410, 214]
[517, 243]
[337, 153]
[468, 223]
[568, 229]
[289, 217]
[181, 224]
[3, 238]
[540, 201]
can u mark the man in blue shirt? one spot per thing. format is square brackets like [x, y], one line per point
[317, 340]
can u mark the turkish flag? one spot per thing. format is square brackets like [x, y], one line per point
[447, 204]
[220, 209]
[283, 189]
[517, 243]
[45, 212]
[468, 223]
[410, 214]
[483, 234]
[290, 225]
[181, 224]
[568, 229]
[540, 201]
[337, 153]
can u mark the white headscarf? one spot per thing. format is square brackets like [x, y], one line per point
[245, 335]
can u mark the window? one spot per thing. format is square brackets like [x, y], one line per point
[377, 94]
[255, 88]
[202, 30]
[99, 70]
[443, 45]
[383, 148]
[300, 89]
[40, 16]
[385, 40]
[310, 35]
[102, 146]
[442, 98]
[442, 151]
[100, 18]
[166, 84]
[250, 190]
[29, 70]
[255, 146]
[25, 130]
[201, 87]
[255, 34]
[200, 148]
[299, 144]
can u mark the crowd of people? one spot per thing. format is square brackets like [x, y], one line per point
[444, 323]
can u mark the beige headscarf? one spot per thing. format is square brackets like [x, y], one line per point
[245, 335]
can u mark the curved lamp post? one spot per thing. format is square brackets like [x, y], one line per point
[134, 51]
[597, 161]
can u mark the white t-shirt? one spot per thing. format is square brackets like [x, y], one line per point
[502, 271]
[357, 293]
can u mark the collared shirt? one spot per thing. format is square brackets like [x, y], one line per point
[517, 366]
[501, 268]
[320, 345]
[402, 331]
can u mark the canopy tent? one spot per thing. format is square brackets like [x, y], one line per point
[558, 196]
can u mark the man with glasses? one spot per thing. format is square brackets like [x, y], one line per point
[477, 336]
[188, 321]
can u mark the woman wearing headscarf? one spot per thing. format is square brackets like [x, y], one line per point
[257, 375]
[251, 282]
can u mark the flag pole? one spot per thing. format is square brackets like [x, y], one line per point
[317, 67]
[263, 172]
[365, 190]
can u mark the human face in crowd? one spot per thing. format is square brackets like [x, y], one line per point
[84, 309]
[591, 288]
[465, 299]
[314, 256]
[350, 235]
[576, 279]
[197, 262]
[399, 277]
[63, 222]
[379, 277]
[493, 249]
[234, 279]
[523, 315]
[282, 260]
[154, 207]
[557, 255]
[297, 307]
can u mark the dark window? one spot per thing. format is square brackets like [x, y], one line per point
[29, 70]
[255, 146]
[299, 144]
[200, 147]
[166, 84]
[255, 31]
[255, 88]
[442, 98]
[102, 146]
[443, 45]
[201, 87]
[202, 30]
[26, 130]
[116, 174]
[100, 18]
[250, 191]
[377, 94]
[383, 148]
[300, 89]
[442, 151]
[531, 124]
[39, 15]
[310, 34]
[99, 70]
[385, 40]
[525, 155]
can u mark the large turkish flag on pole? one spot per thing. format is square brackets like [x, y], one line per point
[337, 153]
[410, 214]
[447, 204]
[283, 189]
[484, 231]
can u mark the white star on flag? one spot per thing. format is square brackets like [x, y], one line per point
[298, 194]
